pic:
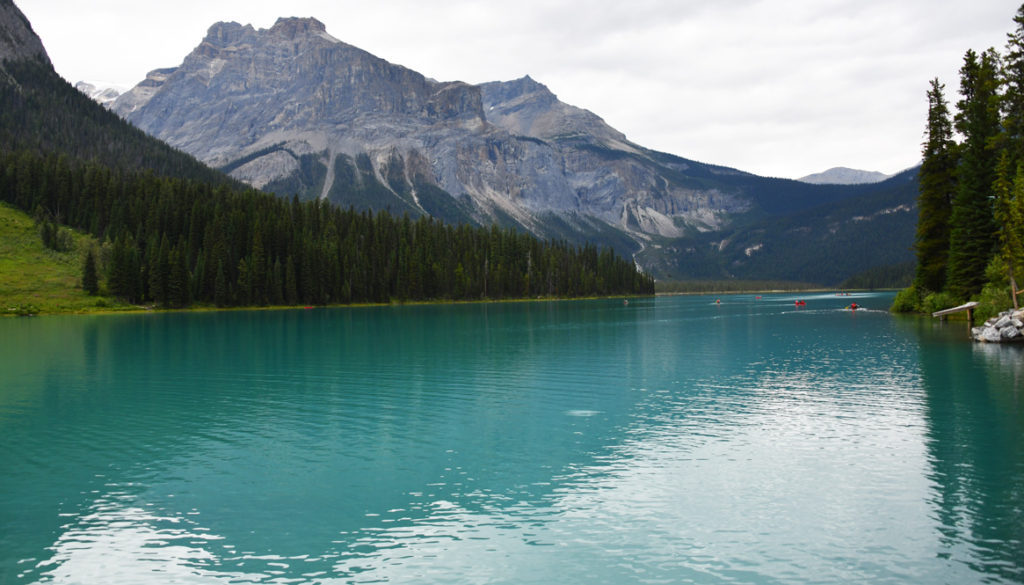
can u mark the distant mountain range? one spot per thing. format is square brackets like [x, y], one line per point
[107, 95]
[293, 110]
[844, 176]
[104, 95]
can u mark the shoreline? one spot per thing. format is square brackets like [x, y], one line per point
[772, 291]
[141, 309]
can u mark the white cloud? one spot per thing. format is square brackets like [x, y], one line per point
[781, 88]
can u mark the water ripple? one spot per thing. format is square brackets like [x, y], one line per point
[676, 441]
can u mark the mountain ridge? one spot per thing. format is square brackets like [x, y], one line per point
[844, 176]
[292, 110]
[104, 96]
[499, 150]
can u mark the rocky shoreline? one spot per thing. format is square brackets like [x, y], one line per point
[1007, 327]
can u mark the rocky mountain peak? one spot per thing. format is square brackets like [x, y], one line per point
[528, 108]
[291, 83]
[225, 34]
[290, 28]
[103, 95]
[506, 91]
[17, 39]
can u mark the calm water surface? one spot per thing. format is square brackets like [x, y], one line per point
[673, 440]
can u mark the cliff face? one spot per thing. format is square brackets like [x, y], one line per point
[17, 39]
[293, 109]
[292, 81]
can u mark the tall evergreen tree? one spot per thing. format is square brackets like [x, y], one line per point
[178, 292]
[244, 282]
[1009, 215]
[276, 286]
[1010, 194]
[1013, 100]
[159, 259]
[90, 279]
[937, 186]
[973, 234]
[220, 287]
[123, 270]
[291, 294]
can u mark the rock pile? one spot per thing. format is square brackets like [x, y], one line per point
[1007, 327]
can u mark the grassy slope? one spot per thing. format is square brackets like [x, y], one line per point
[35, 279]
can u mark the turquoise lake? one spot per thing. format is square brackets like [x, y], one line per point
[670, 440]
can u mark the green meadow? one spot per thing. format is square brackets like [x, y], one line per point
[37, 280]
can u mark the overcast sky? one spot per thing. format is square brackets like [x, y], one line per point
[780, 88]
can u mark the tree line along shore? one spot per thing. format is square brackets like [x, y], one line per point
[177, 243]
[970, 231]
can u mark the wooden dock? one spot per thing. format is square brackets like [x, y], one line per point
[969, 307]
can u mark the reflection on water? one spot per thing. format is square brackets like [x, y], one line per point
[673, 440]
[1006, 362]
[975, 441]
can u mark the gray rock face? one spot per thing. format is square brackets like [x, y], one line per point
[17, 39]
[293, 109]
[525, 107]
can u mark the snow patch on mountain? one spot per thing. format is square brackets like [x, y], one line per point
[102, 93]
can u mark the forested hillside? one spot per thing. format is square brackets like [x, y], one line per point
[43, 113]
[824, 245]
[178, 241]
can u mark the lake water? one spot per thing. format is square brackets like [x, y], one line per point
[670, 440]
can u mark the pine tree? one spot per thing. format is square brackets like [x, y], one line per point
[159, 259]
[90, 280]
[244, 282]
[220, 287]
[973, 233]
[1015, 229]
[1013, 100]
[1009, 215]
[1009, 205]
[258, 270]
[178, 291]
[937, 185]
[276, 285]
[124, 271]
[291, 294]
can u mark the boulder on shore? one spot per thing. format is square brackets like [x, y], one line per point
[1007, 327]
